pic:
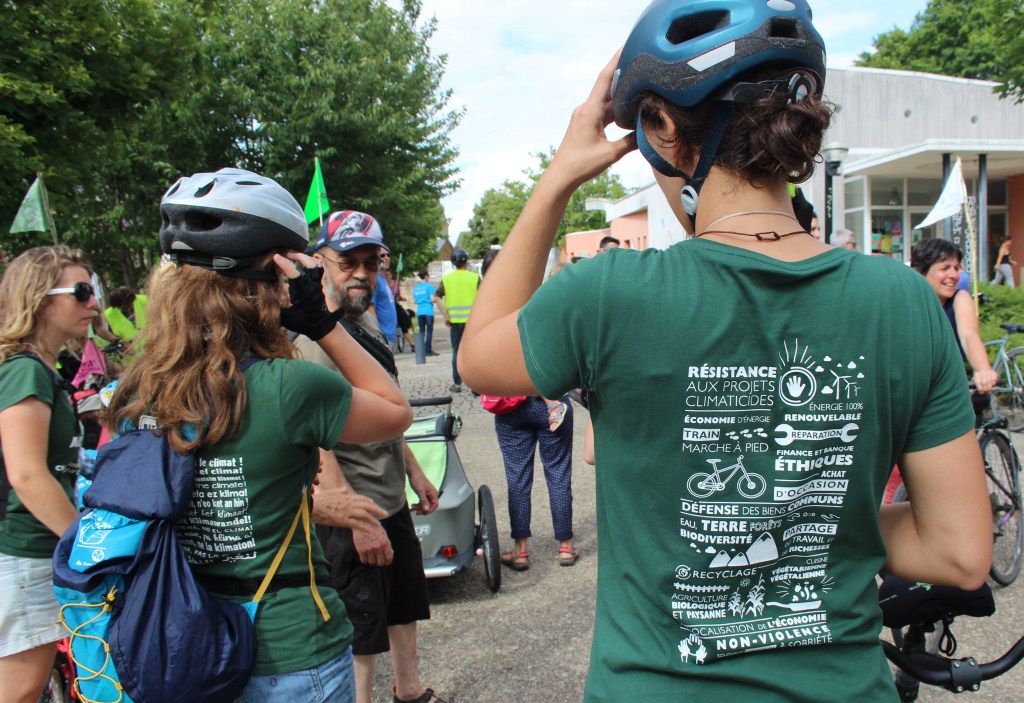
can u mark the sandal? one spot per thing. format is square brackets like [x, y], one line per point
[568, 556]
[556, 415]
[428, 697]
[516, 562]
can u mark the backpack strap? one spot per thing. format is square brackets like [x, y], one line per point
[378, 351]
[302, 513]
[59, 384]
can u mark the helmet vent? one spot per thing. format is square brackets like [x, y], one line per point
[198, 221]
[694, 26]
[247, 183]
[205, 189]
[783, 28]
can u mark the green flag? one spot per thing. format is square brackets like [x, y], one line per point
[316, 202]
[33, 215]
[398, 269]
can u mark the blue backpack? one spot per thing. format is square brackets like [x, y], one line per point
[142, 628]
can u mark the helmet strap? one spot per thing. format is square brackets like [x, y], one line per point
[224, 265]
[657, 162]
[691, 191]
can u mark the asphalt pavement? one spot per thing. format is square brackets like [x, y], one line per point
[530, 641]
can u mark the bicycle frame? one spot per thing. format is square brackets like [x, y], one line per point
[1007, 397]
[719, 483]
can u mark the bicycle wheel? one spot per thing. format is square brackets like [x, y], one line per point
[1002, 474]
[700, 486]
[1008, 396]
[751, 485]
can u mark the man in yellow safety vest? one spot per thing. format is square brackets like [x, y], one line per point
[458, 289]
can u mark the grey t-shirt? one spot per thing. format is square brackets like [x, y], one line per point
[377, 469]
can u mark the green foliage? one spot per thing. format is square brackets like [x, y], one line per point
[982, 39]
[494, 216]
[498, 209]
[74, 78]
[1002, 304]
[115, 99]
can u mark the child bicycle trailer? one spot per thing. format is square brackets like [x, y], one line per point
[450, 537]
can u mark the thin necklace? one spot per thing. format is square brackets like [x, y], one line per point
[762, 236]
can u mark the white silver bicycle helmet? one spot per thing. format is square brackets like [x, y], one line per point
[223, 221]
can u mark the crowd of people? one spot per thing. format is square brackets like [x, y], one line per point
[280, 350]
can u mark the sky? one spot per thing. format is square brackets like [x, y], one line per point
[519, 67]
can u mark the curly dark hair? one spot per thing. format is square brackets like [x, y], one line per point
[768, 140]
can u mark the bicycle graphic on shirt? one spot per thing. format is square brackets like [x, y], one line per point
[702, 485]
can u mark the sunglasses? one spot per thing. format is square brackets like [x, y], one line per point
[348, 264]
[83, 292]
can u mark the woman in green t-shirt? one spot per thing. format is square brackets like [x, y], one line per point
[234, 238]
[746, 412]
[45, 300]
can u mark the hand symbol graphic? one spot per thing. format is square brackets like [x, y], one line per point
[795, 387]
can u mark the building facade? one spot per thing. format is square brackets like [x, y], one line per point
[903, 131]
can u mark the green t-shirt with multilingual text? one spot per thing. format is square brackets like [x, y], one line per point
[747, 413]
[247, 491]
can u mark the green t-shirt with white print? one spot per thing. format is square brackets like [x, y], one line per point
[747, 413]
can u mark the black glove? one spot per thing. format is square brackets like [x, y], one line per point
[308, 314]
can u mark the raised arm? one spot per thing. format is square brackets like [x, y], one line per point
[944, 534]
[491, 354]
[967, 327]
[379, 410]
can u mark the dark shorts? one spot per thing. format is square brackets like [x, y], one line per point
[377, 597]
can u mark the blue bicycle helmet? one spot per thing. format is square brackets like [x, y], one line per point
[689, 51]
[684, 50]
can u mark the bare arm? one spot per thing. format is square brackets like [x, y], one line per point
[588, 444]
[102, 331]
[333, 504]
[944, 535]
[426, 491]
[336, 504]
[970, 337]
[491, 354]
[24, 428]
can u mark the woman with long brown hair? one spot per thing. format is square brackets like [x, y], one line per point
[45, 301]
[218, 375]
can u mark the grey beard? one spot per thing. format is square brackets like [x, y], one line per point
[349, 306]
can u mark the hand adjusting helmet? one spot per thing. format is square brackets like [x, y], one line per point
[225, 221]
[689, 51]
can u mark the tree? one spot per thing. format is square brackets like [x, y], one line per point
[73, 79]
[351, 82]
[981, 39]
[494, 216]
[498, 209]
[121, 97]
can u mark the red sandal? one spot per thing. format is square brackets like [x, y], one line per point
[568, 556]
[516, 562]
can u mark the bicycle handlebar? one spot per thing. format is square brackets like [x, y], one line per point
[956, 675]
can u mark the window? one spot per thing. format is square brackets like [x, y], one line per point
[887, 192]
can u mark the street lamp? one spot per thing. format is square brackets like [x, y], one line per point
[834, 154]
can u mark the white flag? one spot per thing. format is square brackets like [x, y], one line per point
[951, 200]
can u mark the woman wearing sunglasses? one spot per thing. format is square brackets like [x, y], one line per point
[746, 420]
[45, 300]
